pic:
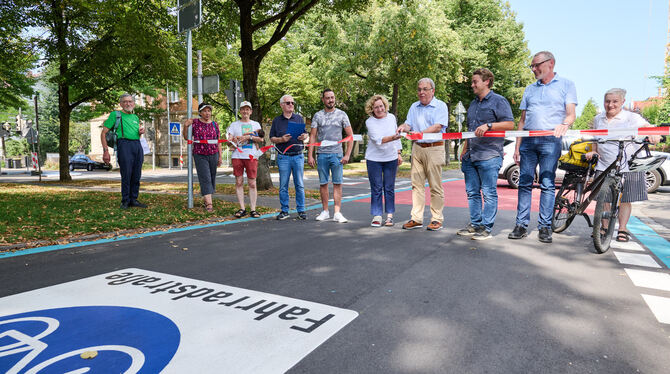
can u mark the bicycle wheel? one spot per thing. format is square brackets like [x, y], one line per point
[605, 215]
[565, 205]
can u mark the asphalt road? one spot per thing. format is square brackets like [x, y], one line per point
[428, 302]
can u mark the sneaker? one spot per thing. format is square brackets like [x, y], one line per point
[137, 204]
[282, 215]
[412, 224]
[302, 215]
[324, 215]
[434, 226]
[376, 221]
[339, 218]
[470, 230]
[482, 235]
[545, 235]
[518, 232]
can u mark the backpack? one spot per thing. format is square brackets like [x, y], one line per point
[111, 135]
[573, 158]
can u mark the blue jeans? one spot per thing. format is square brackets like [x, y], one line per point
[291, 164]
[545, 151]
[481, 178]
[327, 164]
[382, 181]
[130, 156]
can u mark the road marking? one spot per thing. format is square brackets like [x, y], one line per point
[656, 243]
[649, 279]
[630, 246]
[636, 259]
[175, 324]
[660, 306]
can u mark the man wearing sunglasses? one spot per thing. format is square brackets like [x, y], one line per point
[290, 158]
[548, 104]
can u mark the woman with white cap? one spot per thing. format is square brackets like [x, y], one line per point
[207, 157]
[246, 134]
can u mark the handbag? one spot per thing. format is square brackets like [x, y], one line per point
[111, 136]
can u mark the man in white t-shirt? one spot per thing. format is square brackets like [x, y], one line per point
[245, 134]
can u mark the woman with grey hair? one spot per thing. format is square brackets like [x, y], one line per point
[382, 157]
[634, 187]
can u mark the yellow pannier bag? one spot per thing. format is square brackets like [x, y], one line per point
[578, 148]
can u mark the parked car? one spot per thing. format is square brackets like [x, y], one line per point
[84, 162]
[510, 170]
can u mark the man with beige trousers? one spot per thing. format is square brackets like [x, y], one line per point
[428, 115]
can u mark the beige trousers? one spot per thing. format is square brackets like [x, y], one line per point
[427, 164]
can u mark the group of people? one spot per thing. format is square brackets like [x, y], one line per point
[547, 104]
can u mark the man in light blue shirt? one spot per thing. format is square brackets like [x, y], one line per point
[428, 115]
[548, 104]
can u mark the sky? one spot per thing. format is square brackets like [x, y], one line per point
[600, 44]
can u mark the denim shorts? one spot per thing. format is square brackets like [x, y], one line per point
[329, 164]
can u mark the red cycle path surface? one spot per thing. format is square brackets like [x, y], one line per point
[455, 196]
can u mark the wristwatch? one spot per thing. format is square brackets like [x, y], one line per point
[489, 125]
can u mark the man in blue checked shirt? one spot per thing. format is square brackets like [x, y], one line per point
[481, 157]
[548, 104]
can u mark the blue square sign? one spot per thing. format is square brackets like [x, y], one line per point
[175, 128]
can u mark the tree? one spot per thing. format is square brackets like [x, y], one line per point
[492, 39]
[585, 120]
[262, 24]
[17, 58]
[95, 54]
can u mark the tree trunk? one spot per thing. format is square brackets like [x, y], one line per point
[251, 61]
[64, 112]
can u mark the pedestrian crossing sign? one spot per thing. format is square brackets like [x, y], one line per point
[175, 128]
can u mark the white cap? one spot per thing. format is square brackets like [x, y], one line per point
[246, 103]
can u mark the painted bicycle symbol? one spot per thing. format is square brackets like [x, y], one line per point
[53, 340]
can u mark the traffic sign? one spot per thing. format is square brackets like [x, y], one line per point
[210, 84]
[190, 16]
[31, 136]
[175, 128]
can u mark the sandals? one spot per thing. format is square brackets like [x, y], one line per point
[254, 214]
[623, 236]
[389, 221]
[240, 213]
[209, 208]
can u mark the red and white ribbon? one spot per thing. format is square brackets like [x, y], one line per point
[641, 131]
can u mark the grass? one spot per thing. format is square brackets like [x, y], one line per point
[56, 214]
[221, 188]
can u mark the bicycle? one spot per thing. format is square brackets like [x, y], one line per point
[578, 191]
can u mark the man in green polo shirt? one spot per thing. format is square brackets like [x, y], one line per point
[128, 150]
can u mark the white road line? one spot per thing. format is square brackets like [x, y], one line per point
[660, 306]
[636, 259]
[649, 279]
[629, 246]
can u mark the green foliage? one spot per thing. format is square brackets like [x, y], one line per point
[17, 58]
[652, 113]
[493, 39]
[585, 120]
[16, 147]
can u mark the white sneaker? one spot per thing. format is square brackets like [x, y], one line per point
[324, 215]
[338, 217]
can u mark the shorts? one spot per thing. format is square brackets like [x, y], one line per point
[329, 164]
[239, 164]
